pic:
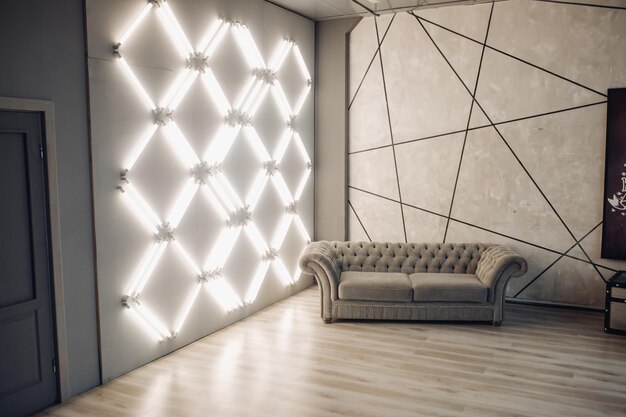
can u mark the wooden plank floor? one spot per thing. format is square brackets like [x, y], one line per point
[284, 361]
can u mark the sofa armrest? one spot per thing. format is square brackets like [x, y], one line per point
[319, 260]
[499, 263]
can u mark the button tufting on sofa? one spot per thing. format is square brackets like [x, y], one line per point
[363, 280]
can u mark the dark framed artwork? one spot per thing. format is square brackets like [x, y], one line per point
[614, 224]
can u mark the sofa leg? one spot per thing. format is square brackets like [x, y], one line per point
[327, 320]
[497, 323]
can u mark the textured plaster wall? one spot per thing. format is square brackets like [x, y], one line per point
[119, 117]
[487, 123]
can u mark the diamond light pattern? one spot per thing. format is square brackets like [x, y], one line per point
[205, 171]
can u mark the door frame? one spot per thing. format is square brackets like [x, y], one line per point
[46, 108]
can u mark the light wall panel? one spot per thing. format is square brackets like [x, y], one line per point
[494, 118]
[202, 145]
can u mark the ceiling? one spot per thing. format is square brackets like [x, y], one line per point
[337, 9]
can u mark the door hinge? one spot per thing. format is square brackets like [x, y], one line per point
[54, 365]
[41, 151]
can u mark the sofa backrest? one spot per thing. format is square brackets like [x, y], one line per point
[409, 258]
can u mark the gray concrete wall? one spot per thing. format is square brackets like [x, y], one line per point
[119, 119]
[43, 57]
[487, 122]
[331, 128]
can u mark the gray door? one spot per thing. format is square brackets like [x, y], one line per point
[27, 379]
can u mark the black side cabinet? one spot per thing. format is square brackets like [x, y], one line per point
[615, 310]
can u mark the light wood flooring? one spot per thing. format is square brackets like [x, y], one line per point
[284, 361]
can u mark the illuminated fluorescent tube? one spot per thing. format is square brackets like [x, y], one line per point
[282, 189]
[253, 49]
[302, 99]
[136, 23]
[301, 147]
[216, 92]
[252, 81]
[277, 54]
[213, 200]
[303, 232]
[135, 82]
[222, 248]
[255, 237]
[145, 139]
[302, 184]
[151, 227]
[258, 100]
[282, 272]
[256, 189]
[180, 92]
[282, 145]
[210, 35]
[181, 205]
[222, 196]
[180, 145]
[281, 101]
[221, 144]
[301, 64]
[142, 280]
[281, 55]
[255, 286]
[224, 294]
[281, 230]
[139, 273]
[174, 30]
[298, 271]
[256, 143]
[178, 82]
[145, 325]
[142, 208]
[253, 60]
[212, 46]
[152, 321]
[249, 100]
[187, 258]
[230, 191]
[187, 308]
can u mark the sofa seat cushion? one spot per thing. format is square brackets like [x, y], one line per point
[448, 287]
[375, 286]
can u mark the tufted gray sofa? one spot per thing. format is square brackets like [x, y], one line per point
[411, 281]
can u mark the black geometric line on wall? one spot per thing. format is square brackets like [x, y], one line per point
[554, 251]
[359, 219]
[371, 61]
[485, 229]
[456, 220]
[528, 284]
[569, 3]
[513, 57]
[395, 201]
[407, 141]
[395, 162]
[469, 117]
[547, 200]
[539, 275]
[508, 145]
[550, 113]
[599, 264]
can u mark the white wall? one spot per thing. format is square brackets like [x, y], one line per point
[331, 128]
[451, 140]
[119, 117]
